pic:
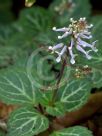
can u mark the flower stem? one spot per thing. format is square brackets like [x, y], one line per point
[58, 82]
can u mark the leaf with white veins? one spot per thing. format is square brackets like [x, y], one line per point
[26, 122]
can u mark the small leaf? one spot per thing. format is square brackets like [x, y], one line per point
[16, 88]
[26, 122]
[29, 3]
[73, 131]
[57, 110]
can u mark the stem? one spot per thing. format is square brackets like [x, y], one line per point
[58, 82]
[41, 109]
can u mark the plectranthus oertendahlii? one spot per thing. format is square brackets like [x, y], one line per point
[78, 32]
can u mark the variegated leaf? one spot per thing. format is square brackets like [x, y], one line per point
[16, 88]
[75, 94]
[26, 122]
[73, 131]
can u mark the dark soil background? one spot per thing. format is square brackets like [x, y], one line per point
[17, 5]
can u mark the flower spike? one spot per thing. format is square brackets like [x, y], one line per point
[78, 30]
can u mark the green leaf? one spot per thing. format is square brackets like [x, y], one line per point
[29, 3]
[9, 55]
[2, 133]
[35, 19]
[6, 56]
[97, 78]
[5, 33]
[73, 131]
[58, 109]
[45, 99]
[31, 27]
[6, 16]
[26, 121]
[16, 88]
[39, 69]
[74, 94]
[69, 97]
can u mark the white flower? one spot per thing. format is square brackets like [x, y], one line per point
[78, 31]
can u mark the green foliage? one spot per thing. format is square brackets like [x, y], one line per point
[69, 98]
[73, 131]
[37, 22]
[2, 133]
[6, 15]
[35, 19]
[9, 53]
[31, 82]
[45, 99]
[75, 94]
[96, 63]
[26, 121]
[16, 88]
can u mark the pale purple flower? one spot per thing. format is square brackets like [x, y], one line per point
[71, 52]
[79, 32]
[58, 59]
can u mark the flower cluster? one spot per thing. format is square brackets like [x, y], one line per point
[78, 31]
[65, 5]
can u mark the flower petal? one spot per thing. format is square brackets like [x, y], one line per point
[86, 32]
[58, 59]
[60, 45]
[85, 36]
[71, 53]
[85, 44]
[93, 47]
[63, 50]
[64, 35]
[83, 51]
[64, 29]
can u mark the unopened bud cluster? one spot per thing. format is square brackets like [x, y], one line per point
[65, 5]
